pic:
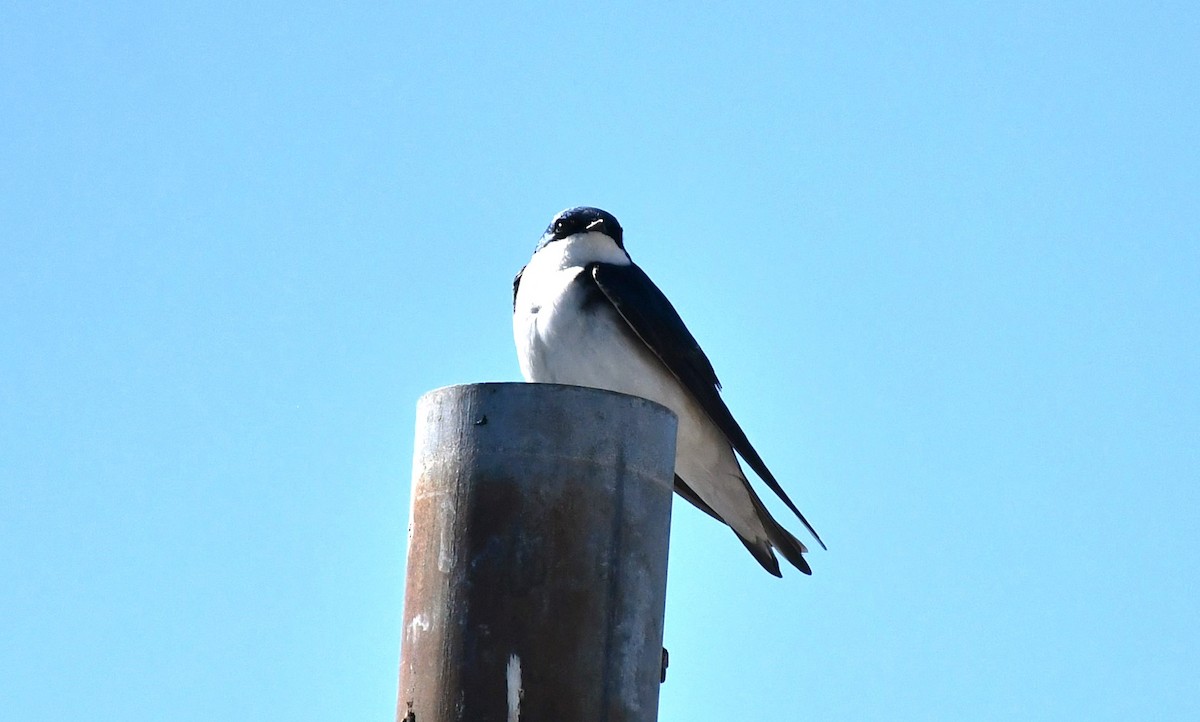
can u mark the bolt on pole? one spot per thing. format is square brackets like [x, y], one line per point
[537, 559]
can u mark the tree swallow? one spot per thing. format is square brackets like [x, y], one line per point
[584, 314]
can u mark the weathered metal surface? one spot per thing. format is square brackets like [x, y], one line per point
[537, 556]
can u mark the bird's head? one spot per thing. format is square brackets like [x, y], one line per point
[583, 220]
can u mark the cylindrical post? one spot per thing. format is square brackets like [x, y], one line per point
[537, 555]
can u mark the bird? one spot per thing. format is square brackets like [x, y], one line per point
[585, 314]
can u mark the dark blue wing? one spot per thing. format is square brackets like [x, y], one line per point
[516, 285]
[652, 317]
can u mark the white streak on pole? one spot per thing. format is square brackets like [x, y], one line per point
[513, 674]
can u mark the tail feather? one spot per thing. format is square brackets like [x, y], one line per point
[761, 542]
[791, 548]
[762, 552]
[788, 545]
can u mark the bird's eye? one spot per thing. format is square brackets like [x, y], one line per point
[559, 226]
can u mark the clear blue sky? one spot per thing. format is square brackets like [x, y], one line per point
[946, 259]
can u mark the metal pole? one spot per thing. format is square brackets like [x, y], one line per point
[537, 557]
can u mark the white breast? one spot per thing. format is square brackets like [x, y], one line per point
[550, 331]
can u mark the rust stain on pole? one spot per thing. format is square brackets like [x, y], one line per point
[537, 556]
